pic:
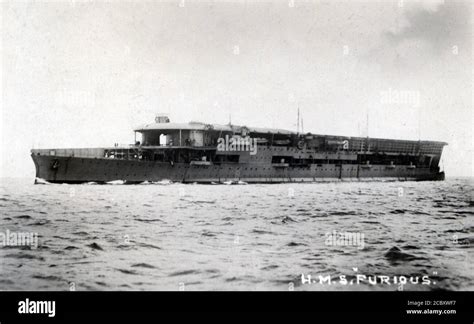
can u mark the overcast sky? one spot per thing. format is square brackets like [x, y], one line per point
[84, 74]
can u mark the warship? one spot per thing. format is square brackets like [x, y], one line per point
[197, 152]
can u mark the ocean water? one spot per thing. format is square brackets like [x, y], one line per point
[237, 237]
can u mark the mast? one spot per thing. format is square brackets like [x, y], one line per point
[298, 121]
[302, 128]
[367, 123]
[419, 123]
[367, 148]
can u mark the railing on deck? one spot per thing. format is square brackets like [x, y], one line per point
[75, 152]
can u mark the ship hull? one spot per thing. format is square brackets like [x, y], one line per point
[59, 169]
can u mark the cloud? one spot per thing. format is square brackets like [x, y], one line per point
[418, 35]
[438, 24]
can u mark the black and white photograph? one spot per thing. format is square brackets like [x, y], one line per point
[237, 146]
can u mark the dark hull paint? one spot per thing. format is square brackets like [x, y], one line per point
[102, 170]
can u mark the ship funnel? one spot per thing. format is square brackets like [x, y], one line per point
[161, 118]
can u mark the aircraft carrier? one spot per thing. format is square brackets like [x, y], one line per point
[209, 153]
